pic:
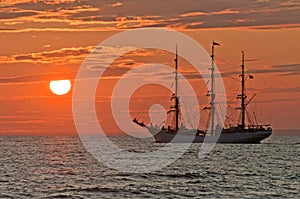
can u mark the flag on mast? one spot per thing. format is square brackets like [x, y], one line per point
[216, 44]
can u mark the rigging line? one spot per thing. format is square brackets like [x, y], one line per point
[161, 97]
[230, 117]
[222, 113]
[148, 102]
[189, 120]
[208, 120]
[219, 116]
[228, 63]
[199, 85]
[162, 101]
[247, 118]
[237, 91]
[182, 107]
[263, 117]
[240, 117]
[160, 119]
[233, 78]
[255, 109]
[250, 121]
[233, 98]
[144, 106]
[233, 87]
[255, 119]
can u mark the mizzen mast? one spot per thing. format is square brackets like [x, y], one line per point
[243, 95]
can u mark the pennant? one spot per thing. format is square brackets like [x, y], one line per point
[216, 44]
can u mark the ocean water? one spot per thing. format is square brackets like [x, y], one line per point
[60, 167]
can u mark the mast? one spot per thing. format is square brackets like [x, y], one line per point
[212, 91]
[176, 92]
[243, 95]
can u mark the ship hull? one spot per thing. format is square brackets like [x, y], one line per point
[163, 136]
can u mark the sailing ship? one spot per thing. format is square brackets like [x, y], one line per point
[239, 133]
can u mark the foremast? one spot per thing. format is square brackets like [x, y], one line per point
[174, 107]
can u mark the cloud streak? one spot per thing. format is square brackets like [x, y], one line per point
[282, 69]
[60, 56]
[22, 16]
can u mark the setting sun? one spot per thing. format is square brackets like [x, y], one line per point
[60, 87]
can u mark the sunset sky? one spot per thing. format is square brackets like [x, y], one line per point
[44, 40]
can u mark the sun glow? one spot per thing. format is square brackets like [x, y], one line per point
[60, 87]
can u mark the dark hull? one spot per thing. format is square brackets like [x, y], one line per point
[163, 136]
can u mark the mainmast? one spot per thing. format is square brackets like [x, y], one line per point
[212, 91]
[243, 96]
[176, 92]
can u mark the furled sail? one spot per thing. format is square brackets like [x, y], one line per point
[171, 114]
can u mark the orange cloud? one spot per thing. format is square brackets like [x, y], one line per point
[222, 12]
[60, 56]
[117, 4]
[62, 15]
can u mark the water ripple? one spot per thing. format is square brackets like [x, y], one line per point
[60, 167]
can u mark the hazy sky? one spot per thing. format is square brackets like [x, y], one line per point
[46, 40]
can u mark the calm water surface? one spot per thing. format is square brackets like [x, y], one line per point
[60, 167]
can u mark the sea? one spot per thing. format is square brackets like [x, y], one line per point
[61, 167]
